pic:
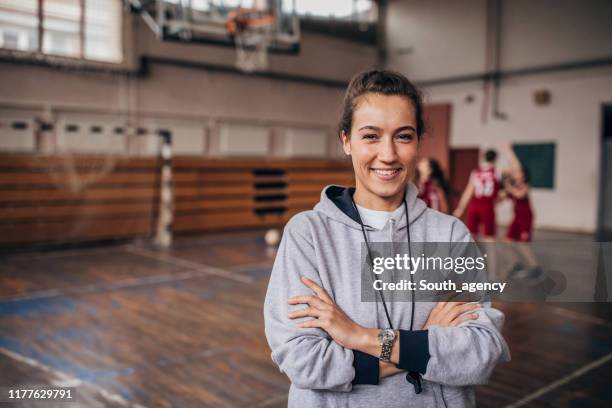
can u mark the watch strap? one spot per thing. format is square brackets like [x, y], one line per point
[387, 337]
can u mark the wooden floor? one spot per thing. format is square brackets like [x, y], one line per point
[132, 326]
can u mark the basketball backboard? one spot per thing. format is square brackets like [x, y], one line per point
[206, 21]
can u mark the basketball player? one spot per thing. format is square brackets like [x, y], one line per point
[516, 188]
[480, 196]
[433, 187]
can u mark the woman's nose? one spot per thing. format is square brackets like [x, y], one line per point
[387, 151]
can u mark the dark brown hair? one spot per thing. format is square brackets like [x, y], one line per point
[382, 82]
[437, 174]
[490, 156]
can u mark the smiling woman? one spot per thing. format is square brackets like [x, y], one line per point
[380, 128]
[340, 350]
[383, 149]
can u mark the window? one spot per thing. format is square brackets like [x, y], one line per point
[10, 39]
[103, 30]
[18, 20]
[350, 10]
[89, 29]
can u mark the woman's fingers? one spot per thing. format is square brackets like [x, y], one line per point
[309, 324]
[459, 310]
[470, 306]
[440, 305]
[464, 318]
[448, 307]
[309, 311]
[319, 291]
[445, 313]
[313, 301]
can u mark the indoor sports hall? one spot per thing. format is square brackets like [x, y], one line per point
[152, 152]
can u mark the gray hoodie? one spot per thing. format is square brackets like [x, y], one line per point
[324, 244]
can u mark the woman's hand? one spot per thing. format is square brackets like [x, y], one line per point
[451, 314]
[327, 316]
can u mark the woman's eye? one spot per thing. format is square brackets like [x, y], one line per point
[370, 136]
[405, 137]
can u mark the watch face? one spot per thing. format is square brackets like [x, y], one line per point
[386, 335]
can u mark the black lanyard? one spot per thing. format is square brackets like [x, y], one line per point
[412, 377]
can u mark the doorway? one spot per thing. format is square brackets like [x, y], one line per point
[605, 189]
[462, 162]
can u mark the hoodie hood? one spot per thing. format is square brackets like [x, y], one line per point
[337, 203]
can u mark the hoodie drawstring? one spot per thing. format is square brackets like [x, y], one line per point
[412, 377]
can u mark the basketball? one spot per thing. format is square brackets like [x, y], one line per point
[272, 237]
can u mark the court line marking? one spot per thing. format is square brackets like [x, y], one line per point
[128, 283]
[95, 288]
[562, 381]
[231, 238]
[66, 253]
[272, 400]
[64, 380]
[42, 294]
[251, 266]
[185, 263]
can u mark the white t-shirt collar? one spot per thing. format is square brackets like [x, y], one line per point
[378, 219]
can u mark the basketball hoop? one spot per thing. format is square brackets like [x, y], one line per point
[76, 173]
[251, 30]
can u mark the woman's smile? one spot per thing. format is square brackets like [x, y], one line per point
[386, 174]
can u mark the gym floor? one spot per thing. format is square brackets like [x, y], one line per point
[133, 326]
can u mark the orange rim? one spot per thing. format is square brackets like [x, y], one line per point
[242, 18]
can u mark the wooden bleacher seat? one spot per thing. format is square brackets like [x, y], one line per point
[209, 195]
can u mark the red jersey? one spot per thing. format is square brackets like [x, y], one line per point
[521, 227]
[486, 184]
[481, 210]
[522, 208]
[430, 193]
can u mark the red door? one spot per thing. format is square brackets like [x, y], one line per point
[462, 162]
[437, 126]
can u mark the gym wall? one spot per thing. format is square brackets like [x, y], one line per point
[195, 103]
[442, 40]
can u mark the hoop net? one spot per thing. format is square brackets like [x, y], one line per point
[252, 30]
[76, 174]
[252, 50]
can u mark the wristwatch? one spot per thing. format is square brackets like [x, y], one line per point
[385, 338]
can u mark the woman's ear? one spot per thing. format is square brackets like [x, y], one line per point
[346, 143]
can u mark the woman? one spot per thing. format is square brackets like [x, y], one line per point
[335, 348]
[433, 187]
[480, 197]
[516, 187]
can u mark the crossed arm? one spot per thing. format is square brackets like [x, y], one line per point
[331, 352]
[328, 316]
